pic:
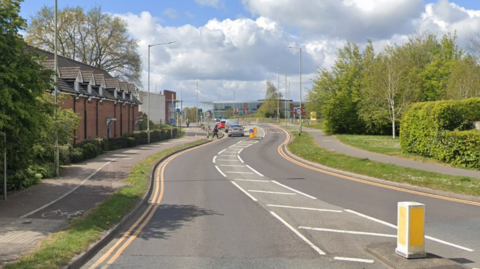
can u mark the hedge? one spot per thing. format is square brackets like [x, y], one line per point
[443, 130]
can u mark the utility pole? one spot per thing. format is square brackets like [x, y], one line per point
[57, 150]
[234, 105]
[196, 117]
[4, 163]
[278, 97]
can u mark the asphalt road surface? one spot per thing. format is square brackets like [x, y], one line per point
[242, 203]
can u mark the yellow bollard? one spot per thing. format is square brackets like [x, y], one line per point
[411, 230]
[254, 131]
[251, 135]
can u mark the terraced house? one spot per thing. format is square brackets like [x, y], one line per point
[107, 106]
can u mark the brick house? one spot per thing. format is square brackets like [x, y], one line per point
[107, 107]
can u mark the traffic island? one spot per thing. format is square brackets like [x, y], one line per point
[385, 253]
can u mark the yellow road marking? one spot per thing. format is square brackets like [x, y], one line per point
[284, 155]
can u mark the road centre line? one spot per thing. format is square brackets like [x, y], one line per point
[318, 250]
[353, 260]
[306, 208]
[253, 180]
[273, 192]
[238, 156]
[221, 151]
[254, 170]
[244, 191]
[395, 227]
[346, 232]
[220, 171]
[299, 192]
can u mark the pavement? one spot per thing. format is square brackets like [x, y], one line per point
[29, 216]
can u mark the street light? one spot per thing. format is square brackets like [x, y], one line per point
[148, 97]
[300, 57]
[285, 99]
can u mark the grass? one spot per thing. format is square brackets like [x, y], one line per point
[58, 249]
[305, 147]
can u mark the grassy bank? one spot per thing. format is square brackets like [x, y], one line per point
[305, 147]
[57, 250]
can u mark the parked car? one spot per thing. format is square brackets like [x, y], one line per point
[221, 124]
[228, 123]
[235, 129]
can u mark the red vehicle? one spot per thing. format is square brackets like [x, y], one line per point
[221, 124]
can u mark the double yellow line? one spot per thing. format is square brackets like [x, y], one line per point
[284, 155]
[127, 238]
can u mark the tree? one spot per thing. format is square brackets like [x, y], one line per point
[269, 106]
[464, 80]
[95, 38]
[25, 108]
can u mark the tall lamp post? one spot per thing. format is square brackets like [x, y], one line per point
[285, 99]
[196, 117]
[148, 97]
[300, 64]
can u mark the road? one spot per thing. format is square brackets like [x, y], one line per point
[242, 203]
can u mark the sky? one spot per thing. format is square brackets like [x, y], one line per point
[232, 48]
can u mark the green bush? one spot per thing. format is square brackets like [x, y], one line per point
[443, 130]
[76, 155]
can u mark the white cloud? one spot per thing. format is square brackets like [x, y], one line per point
[189, 14]
[210, 3]
[171, 13]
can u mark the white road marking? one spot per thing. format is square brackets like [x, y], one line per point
[233, 172]
[346, 232]
[353, 260]
[273, 192]
[254, 171]
[244, 191]
[395, 227]
[253, 180]
[220, 171]
[67, 193]
[318, 250]
[232, 165]
[214, 158]
[221, 151]
[240, 151]
[299, 192]
[307, 208]
[238, 156]
[225, 160]
[370, 218]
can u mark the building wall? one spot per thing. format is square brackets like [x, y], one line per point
[157, 107]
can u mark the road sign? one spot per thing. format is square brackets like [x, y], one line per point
[298, 111]
[172, 121]
[178, 110]
[250, 131]
[207, 114]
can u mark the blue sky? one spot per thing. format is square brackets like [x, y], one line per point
[238, 45]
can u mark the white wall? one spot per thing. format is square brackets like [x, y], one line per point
[157, 106]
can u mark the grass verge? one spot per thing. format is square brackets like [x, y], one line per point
[58, 249]
[305, 147]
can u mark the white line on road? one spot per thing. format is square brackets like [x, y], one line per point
[240, 151]
[221, 151]
[238, 156]
[299, 192]
[395, 227]
[253, 180]
[318, 250]
[232, 165]
[244, 191]
[370, 218]
[254, 171]
[345, 232]
[225, 160]
[72, 190]
[273, 192]
[214, 158]
[353, 260]
[233, 172]
[306, 208]
[220, 171]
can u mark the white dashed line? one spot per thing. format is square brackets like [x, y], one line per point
[238, 156]
[240, 151]
[447, 243]
[253, 180]
[225, 160]
[254, 171]
[232, 165]
[233, 172]
[370, 218]
[345, 232]
[214, 158]
[273, 192]
[318, 250]
[299, 192]
[244, 191]
[220, 171]
[353, 260]
[306, 208]
[221, 151]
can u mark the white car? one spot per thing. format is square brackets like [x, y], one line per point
[235, 129]
[229, 123]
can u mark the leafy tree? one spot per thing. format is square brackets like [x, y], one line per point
[95, 38]
[269, 107]
[464, 80]
[25, 107]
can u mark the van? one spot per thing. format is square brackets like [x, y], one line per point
[230, 122]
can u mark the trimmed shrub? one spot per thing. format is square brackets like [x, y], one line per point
[443, 130]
